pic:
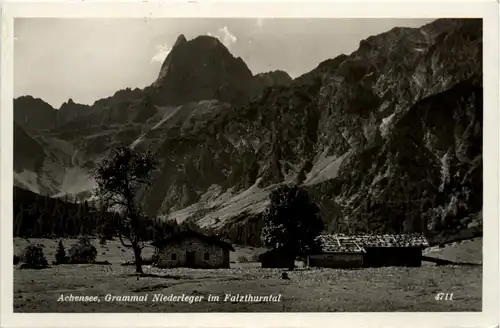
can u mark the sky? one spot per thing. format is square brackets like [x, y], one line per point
[87, 59]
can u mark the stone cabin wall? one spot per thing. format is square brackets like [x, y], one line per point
[175, 254]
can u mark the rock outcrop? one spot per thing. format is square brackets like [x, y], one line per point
[34, 114]
[202, 69]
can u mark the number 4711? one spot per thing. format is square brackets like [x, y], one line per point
[444, 297]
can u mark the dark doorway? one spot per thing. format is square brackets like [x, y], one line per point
[190, 259]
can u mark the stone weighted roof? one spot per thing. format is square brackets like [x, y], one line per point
[339, 243]
[213, 240]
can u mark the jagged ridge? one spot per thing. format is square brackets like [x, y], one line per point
[349, 131]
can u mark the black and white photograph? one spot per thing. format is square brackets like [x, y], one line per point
[247, 164]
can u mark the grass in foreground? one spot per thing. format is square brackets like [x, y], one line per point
[322, 290]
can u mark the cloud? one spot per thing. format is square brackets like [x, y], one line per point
[162, 52]
[225, 36]
[228, 37]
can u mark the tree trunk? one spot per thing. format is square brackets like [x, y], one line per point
[138, 260]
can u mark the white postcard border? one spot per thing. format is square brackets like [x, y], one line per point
[347, 9]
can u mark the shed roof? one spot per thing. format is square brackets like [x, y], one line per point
[214, 240]
[338, 243]
[334, 244]
[391, 240]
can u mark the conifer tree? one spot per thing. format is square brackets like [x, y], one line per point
[60, 253]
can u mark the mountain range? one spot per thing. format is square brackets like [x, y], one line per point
[385, 139]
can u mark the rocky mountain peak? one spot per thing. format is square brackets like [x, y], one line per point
[208, 41]
[70, 111]
[325, 68]
[279, 76]
[33, 114]
[271, 79]
[201, 69]
[181, 39]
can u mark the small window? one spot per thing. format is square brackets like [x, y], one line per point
[173, 257]
[206, 257]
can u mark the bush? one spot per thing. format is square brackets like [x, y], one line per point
[61, 257]
[242, 259]
[17, 259]
[33, 257]
[82, 252]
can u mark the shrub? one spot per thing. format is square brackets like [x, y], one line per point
[242, 259]
[33, 257]
[61, 257]
[17, 259]
[82, 252]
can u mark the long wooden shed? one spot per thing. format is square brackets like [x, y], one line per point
[353, 251]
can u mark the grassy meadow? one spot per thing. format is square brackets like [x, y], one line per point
[309, 289]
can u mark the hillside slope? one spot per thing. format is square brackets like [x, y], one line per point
[43, 165]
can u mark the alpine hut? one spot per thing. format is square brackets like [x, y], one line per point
[351, 251]
[194, 250]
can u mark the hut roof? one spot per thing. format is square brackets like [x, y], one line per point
[391, 240]
[214, 240]
[334, 244]
[339, 243]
